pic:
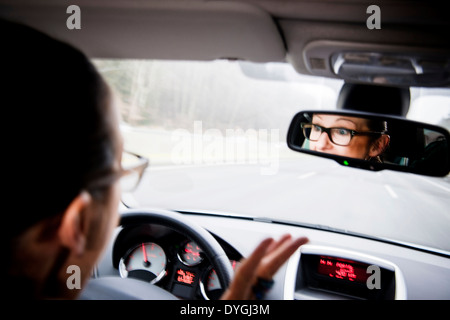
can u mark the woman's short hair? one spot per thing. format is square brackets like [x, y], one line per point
[56, 137]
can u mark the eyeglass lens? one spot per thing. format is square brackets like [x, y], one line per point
[133, 167]
[340, 136]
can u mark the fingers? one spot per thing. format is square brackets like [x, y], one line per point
[264, 262]
[279, 253]
[245, 275]
[249, 266]
[276, 244]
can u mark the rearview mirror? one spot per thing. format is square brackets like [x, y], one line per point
[371, 141]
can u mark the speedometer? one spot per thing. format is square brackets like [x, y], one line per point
[146, 261]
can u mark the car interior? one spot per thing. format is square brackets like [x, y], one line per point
[379, 53]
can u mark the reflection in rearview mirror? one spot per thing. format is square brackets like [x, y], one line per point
[372, 142]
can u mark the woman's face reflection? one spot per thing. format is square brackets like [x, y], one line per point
[359, 146]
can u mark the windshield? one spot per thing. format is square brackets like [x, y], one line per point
[215, 134]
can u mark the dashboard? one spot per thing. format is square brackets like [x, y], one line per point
[332, 266]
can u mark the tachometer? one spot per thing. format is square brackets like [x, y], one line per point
[146, 262]
[191, 254]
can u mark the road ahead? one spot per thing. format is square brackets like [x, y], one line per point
[387, 204]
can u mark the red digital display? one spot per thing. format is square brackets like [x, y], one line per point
[185, 277]
[343, 269]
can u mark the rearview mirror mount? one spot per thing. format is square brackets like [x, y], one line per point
[372, 141]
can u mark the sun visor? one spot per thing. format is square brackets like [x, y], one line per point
[186, 30]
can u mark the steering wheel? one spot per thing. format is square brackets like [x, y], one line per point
[112, 288]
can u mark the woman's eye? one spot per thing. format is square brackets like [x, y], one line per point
[316, 128]
[342, 132]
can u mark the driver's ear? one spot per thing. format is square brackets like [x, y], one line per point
[73, 228]
[379, 146]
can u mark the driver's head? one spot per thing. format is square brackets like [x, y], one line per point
[61, 158]
[362, 145]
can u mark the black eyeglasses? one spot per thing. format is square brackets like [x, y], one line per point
[338, 136]
[132, 169]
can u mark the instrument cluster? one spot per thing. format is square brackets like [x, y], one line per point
[161, 256]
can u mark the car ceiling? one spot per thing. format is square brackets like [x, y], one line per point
[298, 31]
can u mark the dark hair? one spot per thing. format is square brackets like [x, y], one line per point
[57, 138]
[377, 125]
